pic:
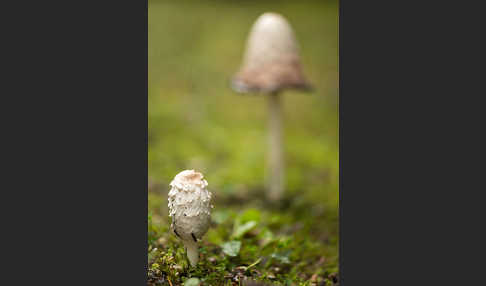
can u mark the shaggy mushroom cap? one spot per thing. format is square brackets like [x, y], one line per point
[271, 62]
[189, 205]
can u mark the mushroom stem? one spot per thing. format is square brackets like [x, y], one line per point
[192, 252]
[275, 163]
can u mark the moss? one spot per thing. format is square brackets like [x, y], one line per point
[278, 249]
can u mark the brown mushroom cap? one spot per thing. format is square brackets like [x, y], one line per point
[272, 61]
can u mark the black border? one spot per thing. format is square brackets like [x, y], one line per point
[407, 113]
[74, 203]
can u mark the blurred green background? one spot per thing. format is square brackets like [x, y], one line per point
[197, 122]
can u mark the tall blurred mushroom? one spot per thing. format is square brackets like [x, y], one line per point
[271, 64]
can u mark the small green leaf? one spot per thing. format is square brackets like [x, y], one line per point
[155, 266]
[249, 215]
[240, 230]
[220, 216]
[266, 237]
[231, 248]
[283, 257]
[192, 282]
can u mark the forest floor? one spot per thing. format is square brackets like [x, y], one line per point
[293, 243]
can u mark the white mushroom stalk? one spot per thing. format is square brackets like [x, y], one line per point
[190, 210]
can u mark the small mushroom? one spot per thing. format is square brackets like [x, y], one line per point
[271, 64]
[190, 210]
